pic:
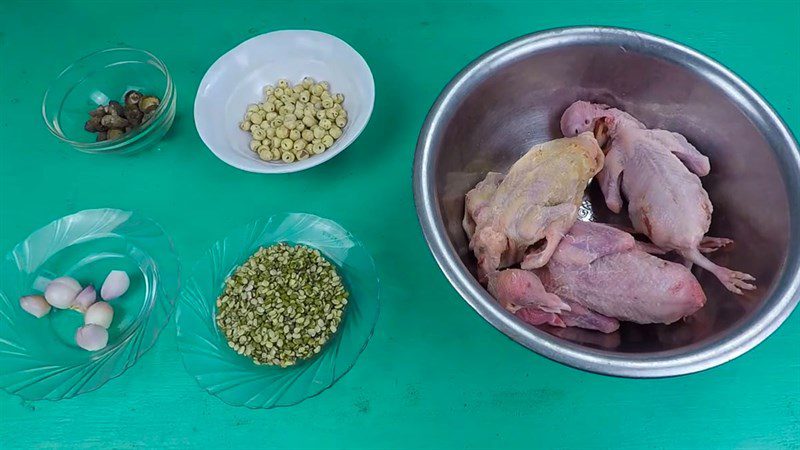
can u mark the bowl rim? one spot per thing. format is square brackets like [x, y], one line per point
[685, 360]
[297, 166]
[221, 242]
[126, 339]
[167, 98]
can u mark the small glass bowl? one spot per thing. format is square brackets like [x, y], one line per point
[99, 78]
[235, 378]
[38, 357]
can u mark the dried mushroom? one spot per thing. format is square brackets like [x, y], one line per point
[132, 98]
[100, 111]
[114, 120]
[115, 134]
[148, 104]
[114, 107]
[95, 124]
[133, 114]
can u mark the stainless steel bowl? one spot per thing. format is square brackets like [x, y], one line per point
[512, 97]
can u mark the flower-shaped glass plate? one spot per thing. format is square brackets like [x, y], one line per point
[236, 379]
[38, 357]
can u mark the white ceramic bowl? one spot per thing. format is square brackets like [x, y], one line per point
[237, 79]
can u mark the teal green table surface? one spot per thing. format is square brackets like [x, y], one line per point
[435, 374]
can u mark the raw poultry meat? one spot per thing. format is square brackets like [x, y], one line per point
[520, 290]
[538, 199]
[478, 199]
[522, 294]
[658, 171]
[580, 316]
[602, 269]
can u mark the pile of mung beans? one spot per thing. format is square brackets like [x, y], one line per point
[282, 305]
[295, 122]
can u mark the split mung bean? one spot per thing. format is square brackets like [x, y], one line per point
[282, 305]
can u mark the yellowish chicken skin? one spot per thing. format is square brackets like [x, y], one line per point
[537, 200]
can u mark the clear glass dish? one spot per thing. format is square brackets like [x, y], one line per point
[38, 357]
[99, 78]
[236, 379]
